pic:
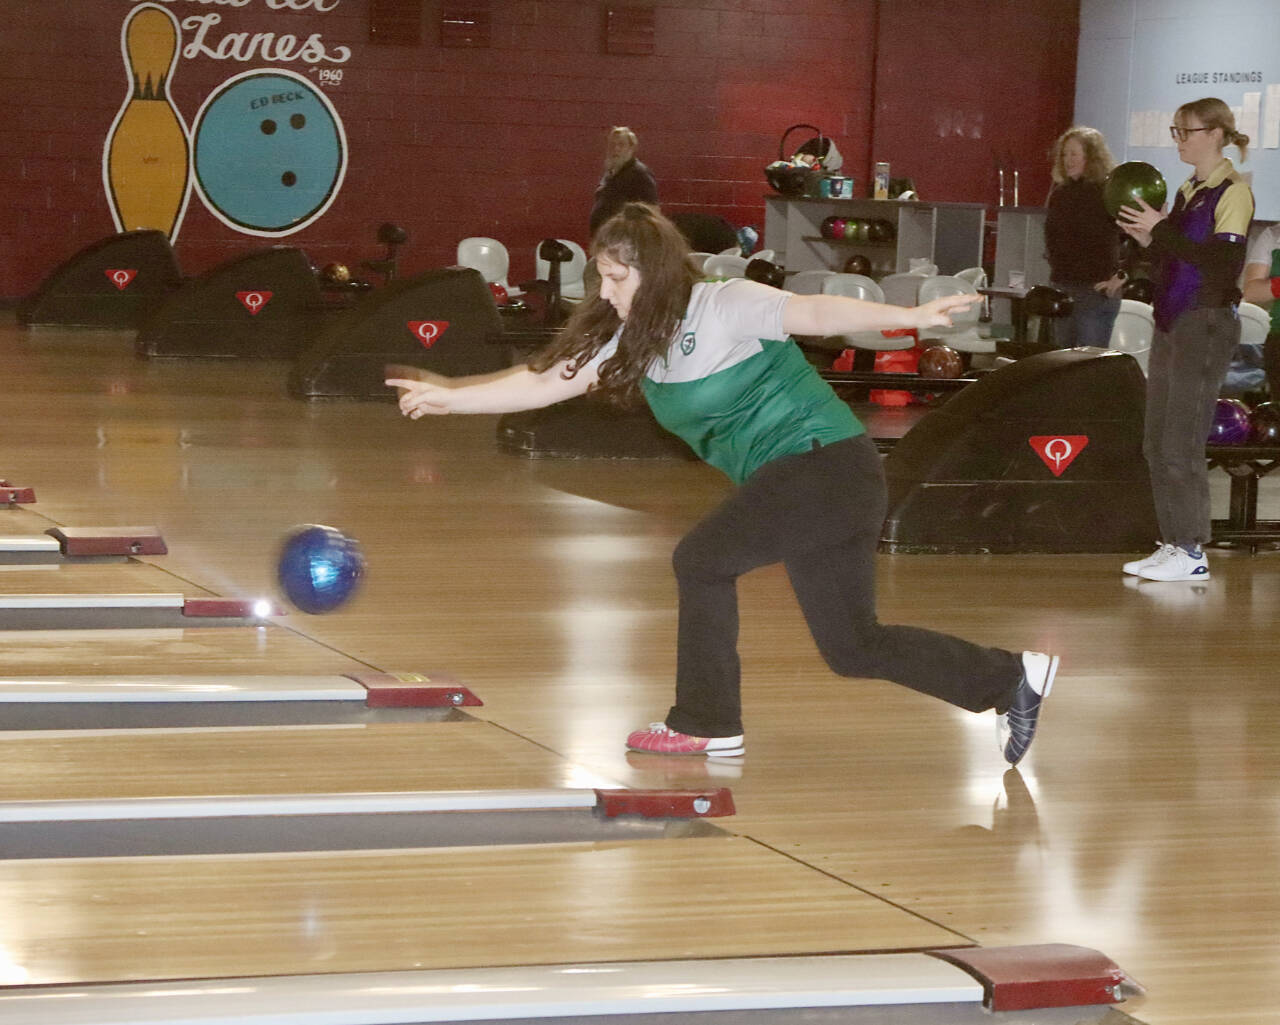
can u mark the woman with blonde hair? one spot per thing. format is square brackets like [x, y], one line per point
[1199, 249]
[714, 362]
[1082, 241]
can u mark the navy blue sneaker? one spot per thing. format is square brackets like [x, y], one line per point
[1017, 727]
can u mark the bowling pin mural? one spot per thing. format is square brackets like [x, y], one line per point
[146, 164]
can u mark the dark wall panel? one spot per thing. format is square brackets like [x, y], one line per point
[506, 140]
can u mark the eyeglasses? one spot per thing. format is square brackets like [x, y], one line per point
[1180, 134]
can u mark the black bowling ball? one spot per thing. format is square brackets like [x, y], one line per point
[1264, 424]
[1043, 301]
[1139, 289]
[858, 264]
[880, 230]
[554, 251]
[392, 234]
[765, 272]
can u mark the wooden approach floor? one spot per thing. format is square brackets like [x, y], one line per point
[1145, 823]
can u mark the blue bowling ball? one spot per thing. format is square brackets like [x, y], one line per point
[1231, 423]
[319, 567]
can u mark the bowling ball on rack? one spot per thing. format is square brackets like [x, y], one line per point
[765, 272]
[838, 227]
[941, 361]
[318, 568]
[828, 228]
[1231, 423]
[858, 264]
[1264, 424]
[335, 274]
[880, 230]
[1130, 181]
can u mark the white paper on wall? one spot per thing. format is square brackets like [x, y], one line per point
[1271, 122]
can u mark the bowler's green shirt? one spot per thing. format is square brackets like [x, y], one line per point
[735, 388]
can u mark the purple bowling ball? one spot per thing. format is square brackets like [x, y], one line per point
[1231, 423]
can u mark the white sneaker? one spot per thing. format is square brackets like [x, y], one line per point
[1161, 553]
[1178, 565]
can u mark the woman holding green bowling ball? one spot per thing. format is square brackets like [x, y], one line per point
[1199, 250]
[715, 363]
[1082, 240]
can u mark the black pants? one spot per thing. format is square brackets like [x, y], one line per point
[820, 514]
[1184, 376]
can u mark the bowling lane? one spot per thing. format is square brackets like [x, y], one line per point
[127, 576]
[245, 650]
[19, 520]
[299, 760]
[97, 920]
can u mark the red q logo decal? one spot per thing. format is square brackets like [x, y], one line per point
[254, 301]
[428, 332]
[121, 278]
[1058, 450]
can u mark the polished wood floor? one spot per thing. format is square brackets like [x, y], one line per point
[1146, 822]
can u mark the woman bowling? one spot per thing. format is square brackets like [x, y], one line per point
[714, 363]
[1199, 249]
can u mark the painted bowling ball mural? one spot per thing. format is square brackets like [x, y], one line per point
[270, 152]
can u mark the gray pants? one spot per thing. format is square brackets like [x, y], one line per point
[1184, 375]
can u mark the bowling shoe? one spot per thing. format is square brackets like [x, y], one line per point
[1161, 553]
[1017, 727]
[1179, 564]
[659, 738]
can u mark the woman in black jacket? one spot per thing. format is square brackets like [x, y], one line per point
[1082, 240]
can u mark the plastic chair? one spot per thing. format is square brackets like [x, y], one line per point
[808, 282]
[1134, 328]
[725, 265]
[902, 289]
[488, 256]
[859, 286]
[976, 276]
[571, 271]
[700, 258]
[1255, 323]
[855, 286]
[962, 335]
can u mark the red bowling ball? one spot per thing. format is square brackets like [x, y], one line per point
[941, 362]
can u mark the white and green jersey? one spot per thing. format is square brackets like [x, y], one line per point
[735, 388]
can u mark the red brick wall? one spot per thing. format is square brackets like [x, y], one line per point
[507, 140]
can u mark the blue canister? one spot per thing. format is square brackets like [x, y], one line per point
[836, 187]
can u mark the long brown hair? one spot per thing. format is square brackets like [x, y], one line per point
[640, 237]
[1098, 160]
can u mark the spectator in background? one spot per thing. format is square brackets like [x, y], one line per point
[625, 178]
[1262, 286]
[1082, 240]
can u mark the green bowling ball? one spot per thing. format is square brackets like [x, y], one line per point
[1134, 179]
